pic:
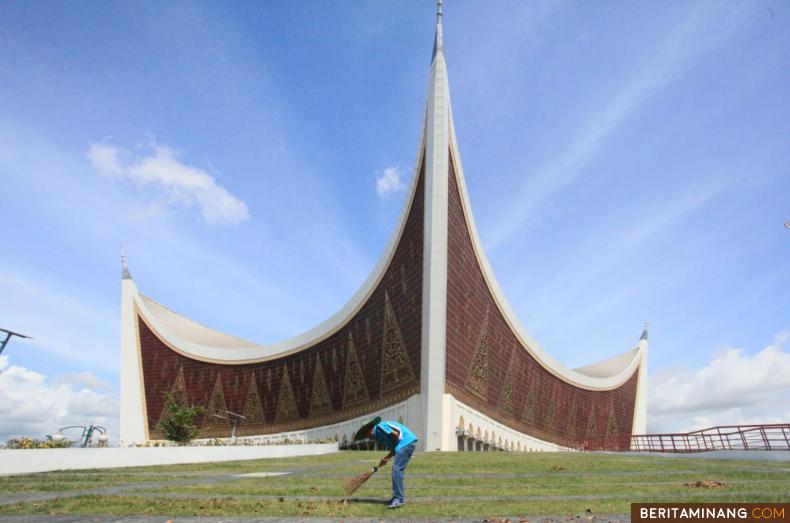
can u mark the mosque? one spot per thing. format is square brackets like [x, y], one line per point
[429, 340]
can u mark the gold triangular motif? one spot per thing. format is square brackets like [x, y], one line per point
[570, 429]
[528, 412]
[611, 426]
[395, 364]
[320, 403]
[253, 408]
[529, 407]
[477, 381]
[506, 400]
[179, 389]
[591, 432]
[355, 390]
[550, 421]
[612, 432]
[286, 402]
[217, 409]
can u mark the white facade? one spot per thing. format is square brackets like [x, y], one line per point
[133, 411]
[434, 311]
[29, 461]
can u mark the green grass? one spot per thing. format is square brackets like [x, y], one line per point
[437, 485]
[70, 481]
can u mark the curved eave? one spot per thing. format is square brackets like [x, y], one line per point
[612, 366]
[246, 352]
[618, 374]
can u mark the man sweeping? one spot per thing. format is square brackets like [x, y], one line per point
[400, 441]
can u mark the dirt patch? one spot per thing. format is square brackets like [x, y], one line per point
[705, 484]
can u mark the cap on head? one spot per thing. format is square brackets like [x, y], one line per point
[366, 430]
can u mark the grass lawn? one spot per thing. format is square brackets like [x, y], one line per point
[483, 485]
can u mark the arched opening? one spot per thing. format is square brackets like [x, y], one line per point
[460, 436]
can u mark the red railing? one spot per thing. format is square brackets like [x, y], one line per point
[732, 437]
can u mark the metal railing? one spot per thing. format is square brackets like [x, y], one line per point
[731, 437]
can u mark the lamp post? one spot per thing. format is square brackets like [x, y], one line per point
[234, 418]
[8, 335]
[87, 434]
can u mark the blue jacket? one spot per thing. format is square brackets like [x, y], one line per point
[383, 430]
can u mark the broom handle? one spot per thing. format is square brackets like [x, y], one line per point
[385, 459]
[377, 467]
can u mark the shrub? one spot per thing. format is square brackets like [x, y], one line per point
[178, 420]
[31, 443]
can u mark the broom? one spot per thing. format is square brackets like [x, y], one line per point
[353, 484]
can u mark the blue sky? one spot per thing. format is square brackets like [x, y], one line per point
[625, 161]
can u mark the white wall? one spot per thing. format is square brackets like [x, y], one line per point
[408, 411]
[25, 461]
[133, 415]
[495, 430]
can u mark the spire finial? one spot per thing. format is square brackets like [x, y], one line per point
[437, 42]
[644, 332]
[125, 274]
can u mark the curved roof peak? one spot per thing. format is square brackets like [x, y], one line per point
[438, 156]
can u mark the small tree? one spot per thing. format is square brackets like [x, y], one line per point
[178, 420]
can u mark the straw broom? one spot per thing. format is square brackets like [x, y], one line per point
[353, 484]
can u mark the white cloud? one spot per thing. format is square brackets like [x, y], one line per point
[734, 388]
[32, 405]
[84, 379]
[389, 180]
[182, 184]
[63, 310]
[105, 158]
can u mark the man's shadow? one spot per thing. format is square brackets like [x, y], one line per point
[368, 501]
